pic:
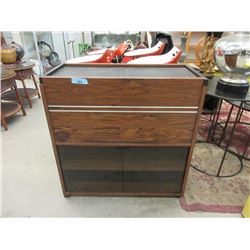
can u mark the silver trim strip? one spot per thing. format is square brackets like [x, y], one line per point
[149, 107]
[121, 111]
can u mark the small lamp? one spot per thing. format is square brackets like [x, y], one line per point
[232, 57]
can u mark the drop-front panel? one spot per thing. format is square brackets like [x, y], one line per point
[123, 130]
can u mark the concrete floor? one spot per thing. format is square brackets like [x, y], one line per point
[31, 186]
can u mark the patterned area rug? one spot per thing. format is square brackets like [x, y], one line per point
[207, 193]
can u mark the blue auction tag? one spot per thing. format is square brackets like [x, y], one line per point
[79, 81]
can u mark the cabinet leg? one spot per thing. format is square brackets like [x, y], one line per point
[66, 195]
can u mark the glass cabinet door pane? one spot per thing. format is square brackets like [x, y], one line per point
[91, 169]
[154, 170]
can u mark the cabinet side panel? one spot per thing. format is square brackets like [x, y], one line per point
[43, 92]
[194, 134]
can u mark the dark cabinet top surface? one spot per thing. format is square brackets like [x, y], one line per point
[124, 71]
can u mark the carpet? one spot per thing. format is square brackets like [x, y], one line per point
[212, 194]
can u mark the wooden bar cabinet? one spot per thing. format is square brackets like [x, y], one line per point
[123, 130]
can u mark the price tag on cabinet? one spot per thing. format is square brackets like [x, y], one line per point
[83, 81]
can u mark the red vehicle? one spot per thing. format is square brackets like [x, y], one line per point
[134, 54]
[170, 57]
[125, 54]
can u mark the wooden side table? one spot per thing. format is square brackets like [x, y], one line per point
[9, 109]
[24, 70]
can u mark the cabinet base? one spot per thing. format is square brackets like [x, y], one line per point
[123, 194]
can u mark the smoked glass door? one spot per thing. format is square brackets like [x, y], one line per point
[154, 170]
[91, 169]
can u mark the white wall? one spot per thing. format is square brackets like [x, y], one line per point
[72, 36]
[28, 44]
[87, 37]
[58, 41]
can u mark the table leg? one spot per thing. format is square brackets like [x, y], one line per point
[241, 115]
[26, 92]
[226, 124]
[245, 150]
[213, 125]
[229, 141]
[34, 80]
[3, 121]
[210, 118]
[19, 100]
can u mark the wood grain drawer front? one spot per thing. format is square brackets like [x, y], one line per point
[147, 92]
[82, 128]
